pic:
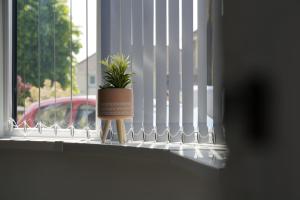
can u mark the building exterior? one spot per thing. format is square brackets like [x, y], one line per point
[81, 70]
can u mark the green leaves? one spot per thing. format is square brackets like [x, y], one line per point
[115, 75]
[43, 31]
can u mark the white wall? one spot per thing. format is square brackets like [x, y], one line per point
[261, 76]
[88, 172]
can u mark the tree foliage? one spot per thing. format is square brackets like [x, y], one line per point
[48, 91]
[23, 91]
[46, 43]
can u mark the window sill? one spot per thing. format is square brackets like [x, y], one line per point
[189, 156]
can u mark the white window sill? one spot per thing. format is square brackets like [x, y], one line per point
[190, 156]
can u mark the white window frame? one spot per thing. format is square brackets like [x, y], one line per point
[1, 71]
[6, 65]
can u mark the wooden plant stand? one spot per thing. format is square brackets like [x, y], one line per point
[120, 129]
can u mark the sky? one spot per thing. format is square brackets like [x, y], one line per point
[79, 19]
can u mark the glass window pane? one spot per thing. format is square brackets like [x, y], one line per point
[85, 117]
[56, 55]
[49, 113]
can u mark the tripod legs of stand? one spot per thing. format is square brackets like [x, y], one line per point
[120, 129]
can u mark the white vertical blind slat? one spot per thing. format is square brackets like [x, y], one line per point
[105, 35]
[161, 70]
[98, 53]
[174, 76]
[115, 40]
[87, 58]
[2, 77]
[126, 37]
[104, 45]
[137, 68]
[202, 66]
[148, 60]
[71, 67]
[126, 27]
[217, 62]
[54, 58]
[187, 70]
[39, 53]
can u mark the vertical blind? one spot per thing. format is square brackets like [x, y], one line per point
[175, 52]
[177, 84]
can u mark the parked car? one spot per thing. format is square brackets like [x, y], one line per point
[84, 112]
[59, 111]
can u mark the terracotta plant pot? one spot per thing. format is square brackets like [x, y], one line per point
[115, 104]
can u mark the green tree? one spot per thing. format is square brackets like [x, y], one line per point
[46, 42]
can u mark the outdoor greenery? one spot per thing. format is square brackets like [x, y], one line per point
[115, 73]
[23, 91]
[48, 91]
[45, 43]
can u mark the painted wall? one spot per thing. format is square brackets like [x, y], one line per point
[261, 75]
[86, 175]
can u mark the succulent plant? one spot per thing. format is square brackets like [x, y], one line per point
[115, 74]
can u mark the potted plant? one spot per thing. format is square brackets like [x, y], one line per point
[115, 99]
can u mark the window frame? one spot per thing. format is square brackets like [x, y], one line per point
[43, 141]
[92, 77]
[7, 60]
[10, 93]
[14, 113]
[1, 66]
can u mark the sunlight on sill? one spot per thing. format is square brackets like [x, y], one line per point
[206, 154]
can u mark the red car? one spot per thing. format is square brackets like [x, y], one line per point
[83, 112]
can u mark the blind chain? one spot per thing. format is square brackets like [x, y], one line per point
[130, 134]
